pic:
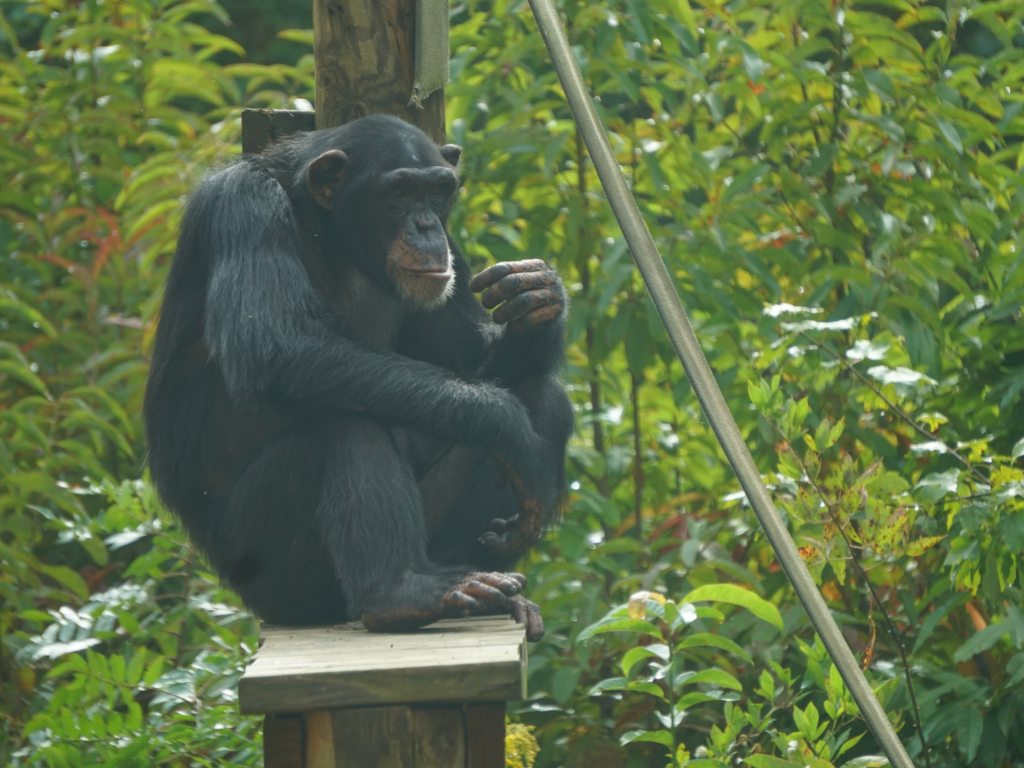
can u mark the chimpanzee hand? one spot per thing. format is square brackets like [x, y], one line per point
[494, 593]
[532, 293]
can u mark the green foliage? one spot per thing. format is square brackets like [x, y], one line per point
[118, 646]
[836, 189]
[835, 186]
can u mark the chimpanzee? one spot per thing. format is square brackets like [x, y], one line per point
[342, 426]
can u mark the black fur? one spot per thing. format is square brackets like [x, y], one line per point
[327, 446]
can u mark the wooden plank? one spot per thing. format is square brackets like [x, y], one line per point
[485, 735]
[302, 670]
[281, 652]
[481, 682]
[410, 659]
[276, 657]
[319, 740]
[262, 127]
[438, 737]
[378, 737]
[282, 741]
[400, 737]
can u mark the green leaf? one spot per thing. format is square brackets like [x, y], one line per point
[691, 699]
[937, 484]
[920, 546]
[154, 670]
[23, 374]
[951, 134]
[715, 677]
[297, 35]
[634, 655]
[658, 737]
[652, 689]
[735, 595]
[767, 761]
[1011, 530]
[867, 761]
[620, 625]
[1015, 669]
[117, 668]
[706, 640]
[707, 613]
[1018, 449]
[68, 578]
[563, 683]
[135, 666]
[808, 722]
[767, 688]
[981, 641]
[969, 728]
[30, 314]
[610, 684]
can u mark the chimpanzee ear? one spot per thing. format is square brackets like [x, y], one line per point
[451, 153]
[324, 177]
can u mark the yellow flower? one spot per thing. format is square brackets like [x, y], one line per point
[520, 747]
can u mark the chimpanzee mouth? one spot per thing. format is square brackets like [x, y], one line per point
[426, 287]
[435, 274]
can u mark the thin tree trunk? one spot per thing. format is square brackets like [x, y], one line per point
[583, 267]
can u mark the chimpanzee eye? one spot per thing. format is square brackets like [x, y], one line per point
[403, 193]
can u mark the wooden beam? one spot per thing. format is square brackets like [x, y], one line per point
[262, 127]
[282, 741]
[364, 54]
[401, 737]
[319, 740]
[485, 735]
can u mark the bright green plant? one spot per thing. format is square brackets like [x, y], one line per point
[671, 668]
[844, 160]
[117, 646]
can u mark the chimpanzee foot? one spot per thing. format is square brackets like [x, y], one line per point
[514, 535]
[481, 594]
[525, 612]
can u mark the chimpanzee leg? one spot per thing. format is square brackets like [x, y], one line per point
[265, 541]
[362, 545]
[465, 490]
[372, 518]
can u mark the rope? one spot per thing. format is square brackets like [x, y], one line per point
[669, 306]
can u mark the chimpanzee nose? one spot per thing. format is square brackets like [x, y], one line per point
[425, 224]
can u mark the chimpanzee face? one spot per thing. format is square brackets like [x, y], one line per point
[402, 218]
[418, 261]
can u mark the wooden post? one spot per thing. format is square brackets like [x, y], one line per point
[338, 697]
[364, 54]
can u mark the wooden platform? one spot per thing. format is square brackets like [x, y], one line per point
[459, 660]
[341, 696]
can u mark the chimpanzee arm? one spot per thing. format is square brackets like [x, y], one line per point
[516, 357]
[266, 328]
